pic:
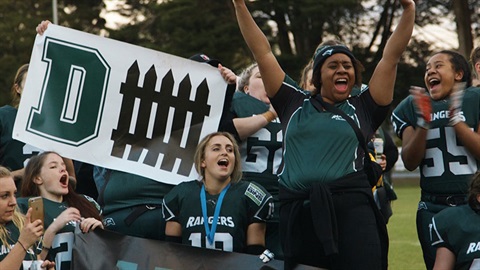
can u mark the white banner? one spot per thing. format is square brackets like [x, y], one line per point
[117, 105]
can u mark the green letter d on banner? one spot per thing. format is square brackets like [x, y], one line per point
[73, 93]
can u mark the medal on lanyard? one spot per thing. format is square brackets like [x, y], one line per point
[211, 231]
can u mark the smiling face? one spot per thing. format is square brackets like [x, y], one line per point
[440, 76]
[219, 159]
[8, 201]
[53, 178]
[338, 78]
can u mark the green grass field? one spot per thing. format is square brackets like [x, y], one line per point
[405, 252]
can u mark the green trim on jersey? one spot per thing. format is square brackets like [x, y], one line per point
[457, 228]
[261, 152]
[307, 122]
[52, 210]
[447, 167]
[62, 244]
[238, 211]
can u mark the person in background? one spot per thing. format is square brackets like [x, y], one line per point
[385, 152]
[306, 77]
[475, 62]
[260, 140]
[64, 209]
[131, 204]
[328, 215]
[456, 233]
[252, 122]
[440, 136]
[18, 233]
[238, 209]
[14, 154]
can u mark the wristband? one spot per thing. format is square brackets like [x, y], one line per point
[269, 115]
[267, 256]
[24, 248]
[455, 119]
[422, 123]
[44, 247]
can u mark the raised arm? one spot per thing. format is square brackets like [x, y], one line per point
[272, 73]
[383, 79]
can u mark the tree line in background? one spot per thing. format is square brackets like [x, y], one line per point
[294, 28]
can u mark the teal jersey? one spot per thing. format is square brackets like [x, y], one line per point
[457, 228]
[13, 234]
[125, 190]
[261, 152]
[322, 146]
[244, 203]
[62, 244]
[53, 209]
[13, 154]
[447, 166]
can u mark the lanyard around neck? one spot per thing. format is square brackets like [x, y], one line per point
[211, 231]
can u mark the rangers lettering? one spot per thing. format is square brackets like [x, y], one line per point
[473, 247]
[198, 221]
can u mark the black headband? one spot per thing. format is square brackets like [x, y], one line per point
[324, 52]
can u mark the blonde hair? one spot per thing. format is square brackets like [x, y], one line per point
[18, 217]
[245, 77]
[200, 156]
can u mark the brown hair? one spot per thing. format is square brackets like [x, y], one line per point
[473, 192]
[17, 82]
[474, 58]
[200, 156]
[18, 218]
[72, 199]
[303, 77]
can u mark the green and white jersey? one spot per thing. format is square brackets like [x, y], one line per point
[244, 203]
[53, 209]
[447, 166]
[13, 154]
[322, 146]
[457, 228]
[261, 152]
[62, 245]
[13, 234]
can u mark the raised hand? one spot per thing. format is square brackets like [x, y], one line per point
[406, 3]
[423, 106]
[42, 27]
[227, 74]
[455, 103]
